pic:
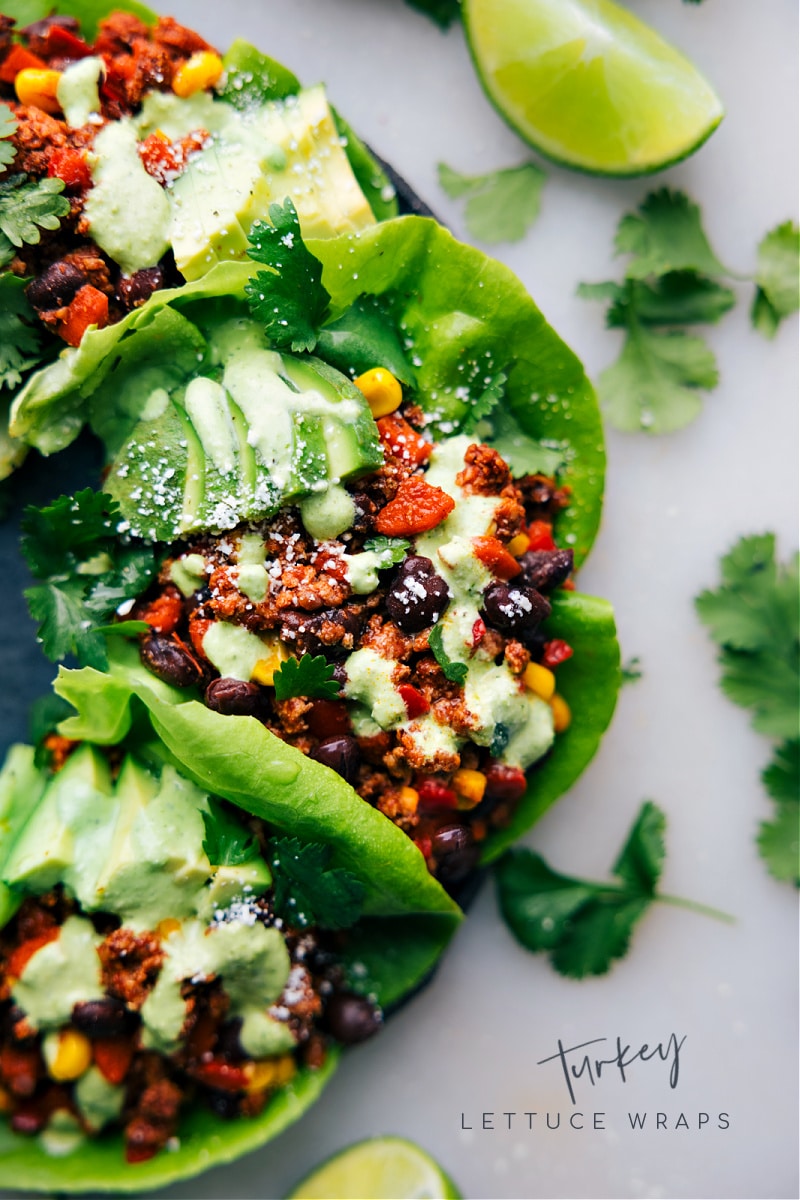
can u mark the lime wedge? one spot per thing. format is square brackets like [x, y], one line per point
[381, 1168]
[590, 85]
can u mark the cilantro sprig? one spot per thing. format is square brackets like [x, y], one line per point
[673, 281]
[86, 570]
[392, 550]
[753, 618]
[443, 12]
[290, 299]
[500, 205]
[582, 925]
[20, 343]
[308, 890]
[456, 672]
[306, 676]
[26, 208]
[227, 842]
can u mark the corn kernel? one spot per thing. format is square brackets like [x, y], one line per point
[518, 544]
[469, 786]
[264, 670]
[38, 87]
[68, 1055]
[199, 72]
[166, 927]
[381, 390]
[409, 799]
[562, 716]
[539, 680]
[269, 1073]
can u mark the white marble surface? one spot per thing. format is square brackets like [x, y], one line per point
[470, 1044]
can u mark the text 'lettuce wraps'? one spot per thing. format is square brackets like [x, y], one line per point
[176, 978]
[134, 157]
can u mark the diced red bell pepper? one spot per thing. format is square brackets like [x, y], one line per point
[18, 959]
[112, 1056]
[541, 535]
[493, 554]
[221, 1075]
[416, 704]
[478, 632]
[434, 794]
[71, 167]
[19, 59]
[88, 307]
[556, 652]
[62, 43]
[417, 507]
[402, 441]
[163, 613]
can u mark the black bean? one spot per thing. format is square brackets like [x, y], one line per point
[169, 661]
[108, 1017]
[451, 839]
[416, 564]
[224, 1105]
[134, 290]
[415, 601]
[342, 627]
[228, 1043]
[340, 673]
[458, 858]
[55, 287]
[341, 754]
[234, 697]
[197, 601]
[513, 607]
[545, 569]
[352, 1018]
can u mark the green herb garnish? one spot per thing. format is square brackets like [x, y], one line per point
[753, 618]
[392, 550]
[227, 842]
[501, 205]
[777, 278]
[631, 670]
[306, 676]
[456, 672]
[308, 891]
[20, 344]
[582, 925]
[86, 570]
[25, 209]
[289, 299]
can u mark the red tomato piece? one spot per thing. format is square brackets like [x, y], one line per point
[556, 652]
[493, 554]
[221, 1075]
[478, 632]
[433, 794]
[61, 43]
[541, 535]
[112, 1056]
[19, 59]
[402, 441]
[417, 507]
[71, 167]
[504, 783]
[415, 702]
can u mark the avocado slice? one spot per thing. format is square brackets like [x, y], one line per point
[350, 434]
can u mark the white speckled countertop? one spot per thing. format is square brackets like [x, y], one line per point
[471, 1042]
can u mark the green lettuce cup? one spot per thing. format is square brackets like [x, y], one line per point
[120, 831]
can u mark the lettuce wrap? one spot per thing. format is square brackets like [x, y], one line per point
[407, 920]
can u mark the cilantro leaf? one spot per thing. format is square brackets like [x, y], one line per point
[86, 572]
[777, 278]
[306, 676]
[20, 344]
[679, 298]
[666, 234]
[779, 839]
[655, 383]
[501, 205]
[391, 549]
[485, 403]
[27, 207]
[456, 672]
[443, 12]
[585, 926]
[290, 298]
[8, 127]
[227, 842]
[308, 891]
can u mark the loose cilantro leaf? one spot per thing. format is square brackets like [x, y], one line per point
[20, 344]
[306, 676]
[443, 12]
[456, 672]
[753, 617]
[501, 205]
[666, 234]
[290, 298]
[227, 842]
[485, 403]
[777, 278]
[391, 549]
[86, 571]
[779, 839]
[308, 891]
[631, 670]
[585, 926]
[8, 126]
[27, 207]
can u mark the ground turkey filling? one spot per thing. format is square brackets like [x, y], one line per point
[408, 729]
[100, 1057]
